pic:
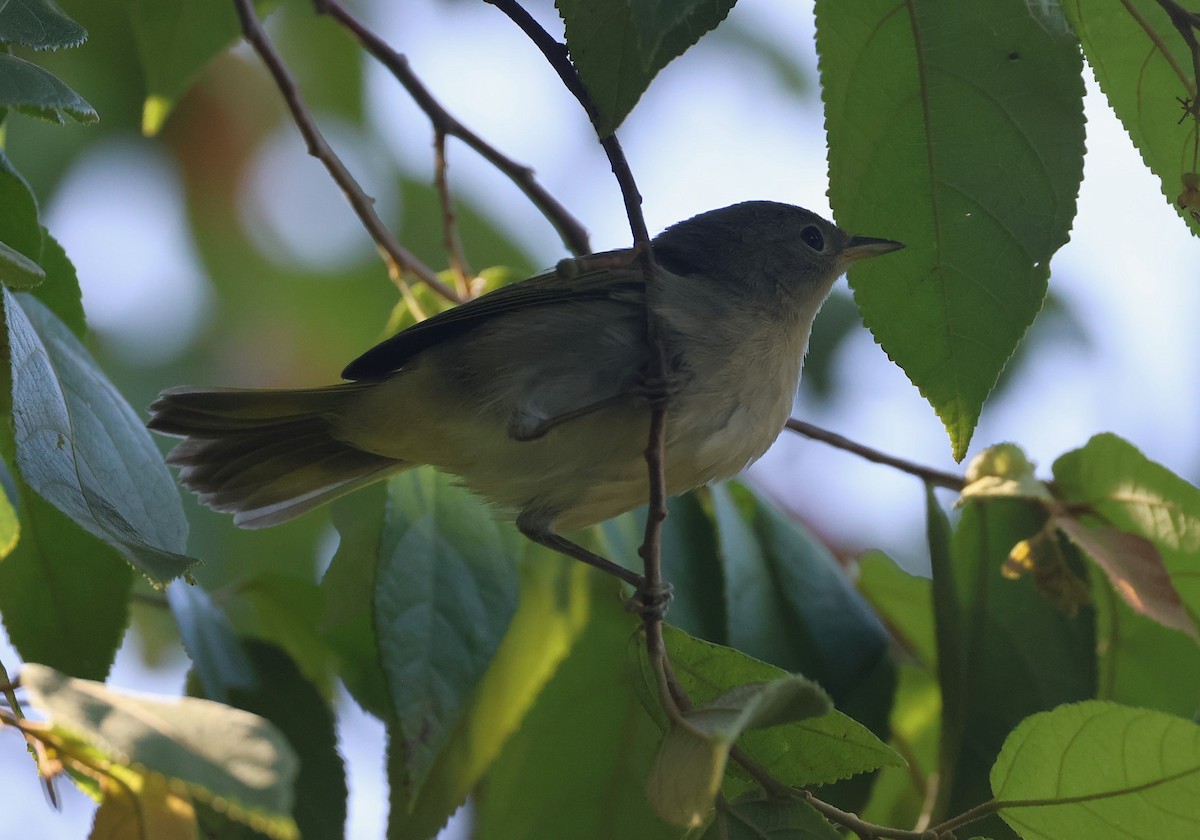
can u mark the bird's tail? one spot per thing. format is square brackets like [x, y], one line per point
[264, 456]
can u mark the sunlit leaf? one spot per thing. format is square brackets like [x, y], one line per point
[1134, 494]
[1144, 67]
[143, 807]
[1099, 771]
[213, 750]
[960, 135]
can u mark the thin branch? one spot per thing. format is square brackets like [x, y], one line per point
[397, 258]
[573, 234]
[655, 593]
[936, 477]
[450, 239]
[861, 827]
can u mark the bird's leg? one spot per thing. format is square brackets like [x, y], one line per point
[646, 602]
[562, 545]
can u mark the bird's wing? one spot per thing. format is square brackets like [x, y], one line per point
[615, 284]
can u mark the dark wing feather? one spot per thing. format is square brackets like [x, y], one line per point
[545, 289]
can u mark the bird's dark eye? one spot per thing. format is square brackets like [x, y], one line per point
[812, 238]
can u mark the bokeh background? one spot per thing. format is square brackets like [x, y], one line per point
[219, 253]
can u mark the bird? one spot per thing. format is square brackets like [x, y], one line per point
[535, 396]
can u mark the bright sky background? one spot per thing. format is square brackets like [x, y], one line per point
[715, 128]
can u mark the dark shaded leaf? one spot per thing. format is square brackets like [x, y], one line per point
[38, 24]
[28, 89]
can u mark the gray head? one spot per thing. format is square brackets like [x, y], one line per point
[766, 246]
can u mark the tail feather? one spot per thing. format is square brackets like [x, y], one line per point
[264, 456]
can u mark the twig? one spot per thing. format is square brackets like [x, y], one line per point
[1186, 22]
[860, 826]
[938, 478]
[573, 234]
[450, 239]
[397, 258]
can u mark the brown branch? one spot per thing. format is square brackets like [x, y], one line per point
[573, 234]
[450, 239]
[938, 478]
[398, 259]
[654, 593]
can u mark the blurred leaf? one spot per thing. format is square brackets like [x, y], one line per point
[838, 319]
[63, 593]
[290, 702]
[143, 807]
[1000, 471]
[212, 750]
[962, 136]
[17, 271]
[286, 611]
[689, 561]
[346, 626]
[328, 65]
[1021, 654]
[217, 655]
[1144, 68]
[618, 46]
[554, 609]
[10, 525]
[586, 733]
[83, 449]
[1135, 569]
[903, 601]
[445, 592]
[757, 818]
[691, 758]
[1141, 662]
[60, 293]
[790, 603]
[38, 24]
[19, 226]
[176, 40]
[1137, 495]
[1099, 771]
[815, 751]
[31, 90]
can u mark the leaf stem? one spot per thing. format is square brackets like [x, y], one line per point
[396, 257]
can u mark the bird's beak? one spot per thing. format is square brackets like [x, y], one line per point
[860, 247]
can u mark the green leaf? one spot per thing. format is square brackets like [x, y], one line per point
[290, 702]
[1139, 661]
[587, 733]
[19, 226]
[445, 591]
[60, 293]
[81, 447]
[757, 818]
[554, 608]
[28, 89]
[1021, 654]
[39, 24]
[903, 601]
[691, 758]
[10, 525]
[1144, 68]
[1136, 495]
[790, 603]
[815, 751]
[17, 271]
[348, 583]
[216, 652]
[212, 750]
[960, 135]
[63, 593]
[618, 46]
[1099, 771]
[175, 41]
